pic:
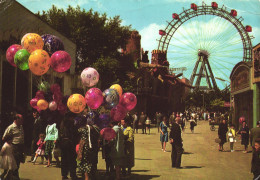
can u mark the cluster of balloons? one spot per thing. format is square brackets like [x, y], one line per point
[39, 53]
[52, 98]
[112, 99]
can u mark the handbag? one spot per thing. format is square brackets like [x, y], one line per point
[218, 140]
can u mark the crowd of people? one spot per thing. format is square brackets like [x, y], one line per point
[78, 145]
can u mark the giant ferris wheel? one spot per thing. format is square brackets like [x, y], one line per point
[208, 41]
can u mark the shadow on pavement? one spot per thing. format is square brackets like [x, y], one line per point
[191, 167]
[192, 133]
[102, 176]
[140, 170]
[188, 153]
[142, 177]
[142, 159]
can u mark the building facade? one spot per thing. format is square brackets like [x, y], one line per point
[245, 94]
[17, 87]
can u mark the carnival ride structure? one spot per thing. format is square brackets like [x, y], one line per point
[208, 41]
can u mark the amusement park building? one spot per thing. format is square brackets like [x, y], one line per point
[245, 93]
[18, 87]
[157, 90]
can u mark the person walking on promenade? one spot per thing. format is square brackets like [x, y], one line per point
[15, 130]
[7, 162]
[222, 131]
[177, 144]
[88, 150]
[254, 134]
[68, 138]
[129, 147]
[142, 122]
[171, 119]
[40, 150]
[38, 128]
[244, 131]
[135, 122]
[192, 124]
[50, 142]
[164, 133]
[231, 137]
[117, 149]
[158, 117]
[255, 165]
[148, 124]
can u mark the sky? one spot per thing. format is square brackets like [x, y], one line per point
[149, 16]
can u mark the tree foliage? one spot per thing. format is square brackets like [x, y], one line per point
[212, 100]
[97, 38]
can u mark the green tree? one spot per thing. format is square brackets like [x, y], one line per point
[98, 39]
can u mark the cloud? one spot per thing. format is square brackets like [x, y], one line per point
[256, 33]
[150, 35]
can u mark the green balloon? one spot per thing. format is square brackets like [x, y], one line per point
[21, 59]
[44, 86]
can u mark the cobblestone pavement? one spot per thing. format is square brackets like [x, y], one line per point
[201, 160]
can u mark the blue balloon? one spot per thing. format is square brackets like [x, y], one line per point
[111, 98]
[45, 36]
[92, 117]
[103, 121]
[80, 121]
[53, 44]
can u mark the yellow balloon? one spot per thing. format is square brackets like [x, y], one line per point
[32, 41]
[118, 88]
[39, 62]
[76, 103]
[42, 104]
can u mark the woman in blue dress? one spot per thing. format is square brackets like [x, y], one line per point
[163, 133]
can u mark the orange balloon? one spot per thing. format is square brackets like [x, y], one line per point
[42, 104]
[118, 88]
[39, 62]
[76, 103]
[32, 41]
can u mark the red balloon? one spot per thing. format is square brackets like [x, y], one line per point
[60, 61]
[94, 98]
[108, 133]
[241, 119]
[33, 103]
[11, 52]
[39, 94]
[62, 108]
[128, 100]
[57, 97]
[118, 113]
[55, 88]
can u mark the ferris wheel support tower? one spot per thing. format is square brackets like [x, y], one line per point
[204, 71]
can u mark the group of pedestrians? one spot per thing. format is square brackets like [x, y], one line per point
[229, 134]
[174, 137]
[143, 122]
[77, 145]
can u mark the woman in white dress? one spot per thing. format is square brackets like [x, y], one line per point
[7, 161]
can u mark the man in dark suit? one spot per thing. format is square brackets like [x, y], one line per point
[176, 141]
[254, 134]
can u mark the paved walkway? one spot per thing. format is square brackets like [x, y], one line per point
[201, 160]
